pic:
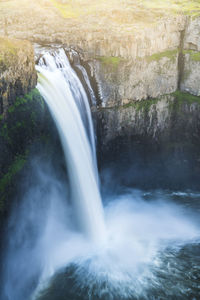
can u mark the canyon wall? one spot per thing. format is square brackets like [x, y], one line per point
[152, 143]
[146, 76]
[22, 113]
[164, 62]
[125, 82]
[135, 53]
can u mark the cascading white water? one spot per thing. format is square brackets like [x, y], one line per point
[92, 95]
[68, 103]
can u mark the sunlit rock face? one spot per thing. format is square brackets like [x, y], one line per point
[156, 68]
[17, 71]
[191, 72]
[106, 30]
[122, 81]
[191, 57]
[192, 34]
[133, 58]
[131, 61]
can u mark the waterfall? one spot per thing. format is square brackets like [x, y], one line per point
[68, 104]
[92, 95]
[146, 236]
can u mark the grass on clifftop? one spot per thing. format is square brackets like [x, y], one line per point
[8, 51]
[188, 7]
[125, 11]
[67, 10]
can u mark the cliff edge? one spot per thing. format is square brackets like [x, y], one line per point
[17, 70]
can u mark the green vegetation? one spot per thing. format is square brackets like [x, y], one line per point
[22, 125]
[125, 12]
[8, 51]
[194, 55]
[4, 133]
[110, 61]
[7, 179]
[99, 15]
[67, 10]
[20, 101]
[171, 54]
[143, 105]
[188, 7]
[179, 99]
[117, 16]
[8, 46]
[20, 114]
[183, 97]
[16, 166]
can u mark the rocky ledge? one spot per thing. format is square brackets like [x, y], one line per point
[17, 71]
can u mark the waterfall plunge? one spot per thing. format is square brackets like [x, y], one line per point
[68, 103]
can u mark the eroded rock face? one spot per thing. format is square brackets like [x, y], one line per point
[143, 75]
[192, 34]
[139, 119]
[159, 119]
[146, 52]
[122, 81]
[135, 66]
[191, 73]
[152, 143]
[17, 71]
[98, 32]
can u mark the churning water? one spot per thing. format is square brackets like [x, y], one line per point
[138, 246]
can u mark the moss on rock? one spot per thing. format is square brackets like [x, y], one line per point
[178, 96]
[194, 55]
[183, 97]
[143, 105]
[22, 126]
[111, 61]
[7, 180]
[170, 54]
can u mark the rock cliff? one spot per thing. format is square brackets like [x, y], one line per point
[161, 119]
[152, 143]
[21, 112]
[160, 67]
[137, 50]
[144, 58]
[17, 71]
